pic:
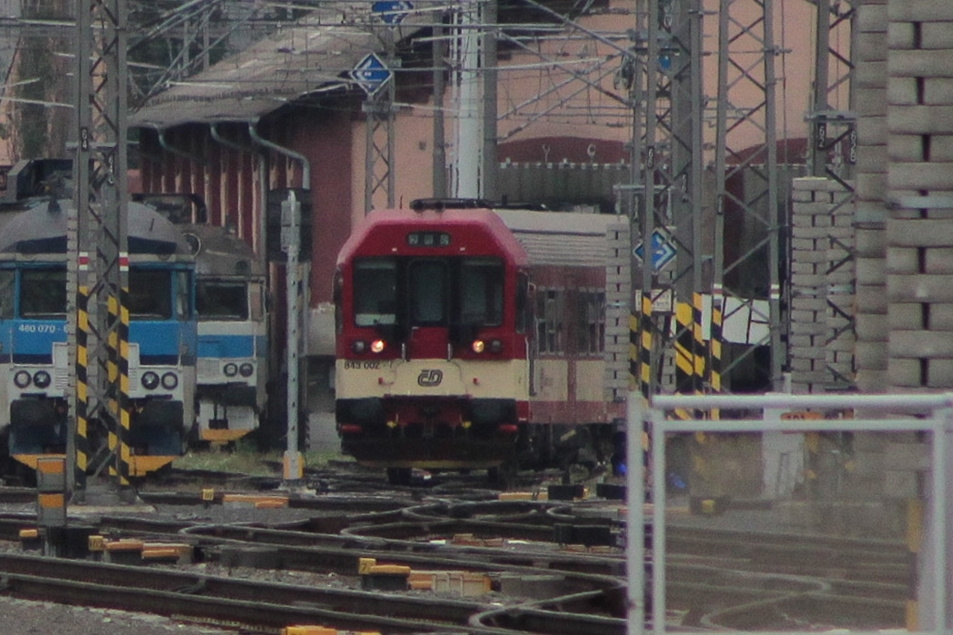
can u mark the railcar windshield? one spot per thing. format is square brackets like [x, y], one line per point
[43, 293]
[158, 294]
[217, 300]
[375, 291]
[435, 291]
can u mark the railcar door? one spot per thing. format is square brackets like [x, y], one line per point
[428, 286]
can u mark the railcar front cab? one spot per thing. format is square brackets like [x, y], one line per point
[34, 347]
[395, 301]
[231, 357]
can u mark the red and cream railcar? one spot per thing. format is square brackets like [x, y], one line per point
[470, 338]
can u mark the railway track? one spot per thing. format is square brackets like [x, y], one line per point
[716, 579]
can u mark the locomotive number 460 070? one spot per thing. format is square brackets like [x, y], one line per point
[349, 364]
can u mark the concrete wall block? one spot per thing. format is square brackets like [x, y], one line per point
[809, 328]
[811, 232]
[900, 36]
[799, 268]
[872, 130]
[906, 147]
[920, 11]
[807, 341]
[810, 183]
[903, 260]
[813, 256]
[919, 233]
[812, 215]
[904, 372]
[919, 119]
[807, 280]
[921, 176]
[871, 243]
[941, 147]
[802, 245]
[871, 380]
[806, 316]
[872, 161]
[873, 328]
[872, 187]
[905, 315]
[872, 18]
[919, 63]
[871, 271]
[940, 373]
[939, 260]
[938, 91]
[919, 288]
[871, 299]
[808, 303]
[916, 345]
[941, 316]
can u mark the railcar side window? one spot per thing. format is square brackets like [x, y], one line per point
[7, 293]
[215, 300]
[43, 293]
[549, 326]
[481, 292]
[183, 295]
[375, 291]
[428, 292]
[150, 294]
[591, 325]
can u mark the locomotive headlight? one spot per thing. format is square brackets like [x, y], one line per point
[230, 370]
[41, 379]
[478, 346]
[170, 381]
[150, 380]
[377, 346]
[359, 347]
[22, 379]
[246, 370]
[496, 346]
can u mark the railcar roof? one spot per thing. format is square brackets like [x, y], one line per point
[435, 220]
[220, 252]
[42, 229]
[560, 238]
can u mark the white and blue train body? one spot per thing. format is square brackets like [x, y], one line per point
[232, 360]
[163, 338]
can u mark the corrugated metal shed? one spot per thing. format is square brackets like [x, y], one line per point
[561, 238]
[310, 57]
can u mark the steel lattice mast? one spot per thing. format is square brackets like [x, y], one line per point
[98, 269]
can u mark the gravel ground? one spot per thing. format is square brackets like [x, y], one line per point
[20, 617]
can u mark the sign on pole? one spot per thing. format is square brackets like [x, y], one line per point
[371, 74]
[663, 249]
[392, 12]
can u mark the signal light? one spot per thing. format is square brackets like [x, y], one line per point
[349, 428]
[377, 346]
[150, 380]
[42, 379]
[169, 381]
[22, 379]
[508, 428]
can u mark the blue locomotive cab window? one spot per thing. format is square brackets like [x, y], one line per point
[221, 300]
[43, 293]
[428, 292]
[7, 293]
[375, 291]
[481, 292]
[150, 294]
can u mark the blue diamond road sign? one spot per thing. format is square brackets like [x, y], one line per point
[392, 11]
[663, 249]
[371, 74]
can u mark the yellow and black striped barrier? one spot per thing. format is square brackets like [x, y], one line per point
[82, 388]
[51, 491]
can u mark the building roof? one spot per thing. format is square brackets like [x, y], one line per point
[305, 59]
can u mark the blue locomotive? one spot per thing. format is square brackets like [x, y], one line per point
[163, 341]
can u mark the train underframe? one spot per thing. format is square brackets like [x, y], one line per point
[39, 427]
[227, 412]
[401, 435]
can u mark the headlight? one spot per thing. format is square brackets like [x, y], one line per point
[359, 347]
[170, 381]
[246, 370]
[478, 346]
[42, 379]
[377, 346]
[21, 379]
[230, 369]
[150, 380]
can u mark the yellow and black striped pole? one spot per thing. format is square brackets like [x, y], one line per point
[645, 346]
[699, 348]
[81, 408]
